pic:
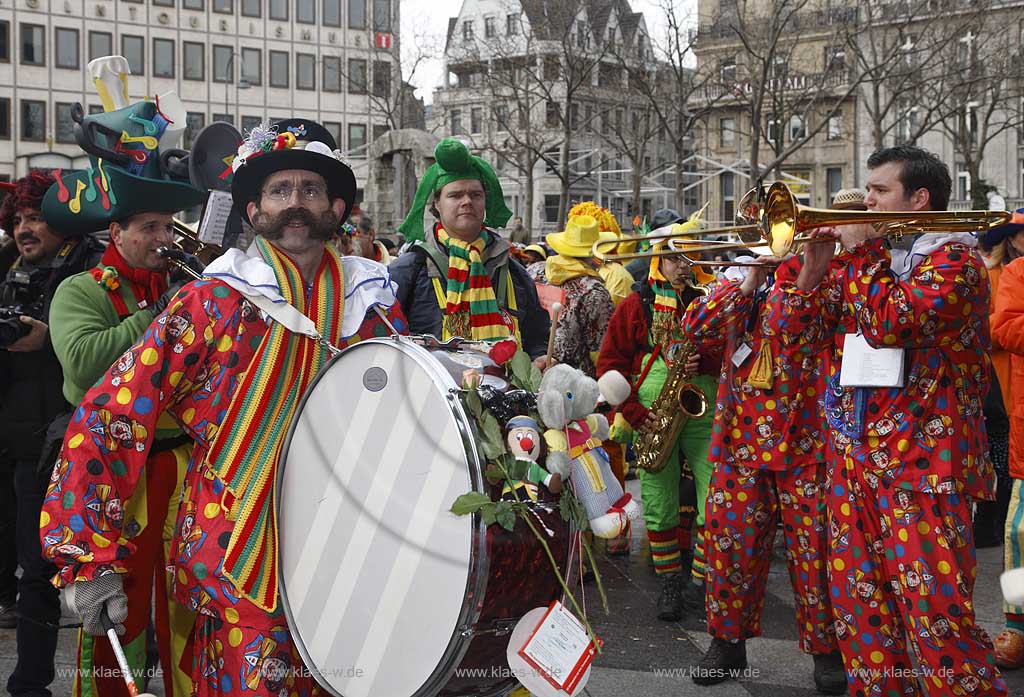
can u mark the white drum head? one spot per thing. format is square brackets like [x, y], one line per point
[374, 567]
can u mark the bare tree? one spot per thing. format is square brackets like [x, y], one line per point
[786, 105]
[983, 91]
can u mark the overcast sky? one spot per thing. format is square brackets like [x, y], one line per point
[424, 23]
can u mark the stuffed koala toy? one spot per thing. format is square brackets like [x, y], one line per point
[566, 402]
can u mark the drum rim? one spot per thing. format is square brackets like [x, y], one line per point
[479, 563]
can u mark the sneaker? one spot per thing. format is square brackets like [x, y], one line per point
[8, 615]
[670, 602]
[723, 661]
[1010, 649]
[829, 675]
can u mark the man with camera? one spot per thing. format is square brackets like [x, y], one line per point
[30, 399]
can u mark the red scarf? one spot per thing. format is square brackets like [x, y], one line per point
[145, 285]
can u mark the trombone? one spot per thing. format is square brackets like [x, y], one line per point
[775, 220]
[188, 242]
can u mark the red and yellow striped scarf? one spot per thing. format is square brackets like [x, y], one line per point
[666, 315]
[246, 450]
[472, 310]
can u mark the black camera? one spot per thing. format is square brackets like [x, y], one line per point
[20, 294]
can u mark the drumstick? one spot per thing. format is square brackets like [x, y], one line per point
[115, 644]
[556, 311]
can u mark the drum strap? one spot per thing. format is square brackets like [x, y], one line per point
[291, 319]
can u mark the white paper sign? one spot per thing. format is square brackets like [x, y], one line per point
[864, 366]
[215, 218]
[560, 648]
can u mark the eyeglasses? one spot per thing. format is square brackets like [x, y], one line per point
[283, 192]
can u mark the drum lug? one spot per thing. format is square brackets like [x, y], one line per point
[496, 628]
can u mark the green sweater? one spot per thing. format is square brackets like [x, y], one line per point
[87, 334]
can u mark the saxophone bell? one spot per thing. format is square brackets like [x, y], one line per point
[692, 401]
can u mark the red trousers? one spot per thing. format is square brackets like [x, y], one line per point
[743, 509]
[902, 573]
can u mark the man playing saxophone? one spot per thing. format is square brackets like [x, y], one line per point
[646, 340]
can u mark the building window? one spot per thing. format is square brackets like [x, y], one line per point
[66, 42]
[797, 130]
[382, 15]
[476, 120]
[356, 76]
[1021, 189]
[381, 78]
[278, 68]
[251, 8]
[163, 58]
[33, 120]
[551, 114]
[357, 140]
[33, 44]
[100, 44]
[194, 122]
[305, 11]
[249, 123]
[727, 182]
[334, 128]
[192, 4]
[456, 118]
[164, 3]
[357, 14]
[223, 67]
[906, 127]
[223, 118]
[963, 182]
[332, 74]
[467, 30]
[501, 116]
[551, 208]
[332, 13]
[193, 57]
[133, 49]
[773, 132]
[834, 130]
[833, 182]
[512, 25]
[5, 118]
[278, 9]
[252, 66]
[65, 131]
[305, 71]
[727, 132]
[95, 109]
[489, 27]
[224, 6]
[5, 41]
[728, 71]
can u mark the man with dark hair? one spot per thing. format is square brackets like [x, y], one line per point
[223, 361]
[365, 243]
[909, 452]
[30, 399]
[459, 280]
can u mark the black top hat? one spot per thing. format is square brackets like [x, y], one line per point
[290, 144]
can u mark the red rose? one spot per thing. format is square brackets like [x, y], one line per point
[502, 352]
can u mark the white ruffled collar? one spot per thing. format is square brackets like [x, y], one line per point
[367, 283]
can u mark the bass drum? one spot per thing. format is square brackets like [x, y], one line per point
[388, 593]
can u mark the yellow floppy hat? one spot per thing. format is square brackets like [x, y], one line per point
[578, 238]
[538, 249]
[606, 222]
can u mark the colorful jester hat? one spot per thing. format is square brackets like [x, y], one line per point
[133, 164]
[290, 144]
[453, 162]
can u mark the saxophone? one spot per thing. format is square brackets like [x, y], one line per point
[679, 401]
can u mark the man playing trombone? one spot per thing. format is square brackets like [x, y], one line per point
[909, 452]
[96, 316]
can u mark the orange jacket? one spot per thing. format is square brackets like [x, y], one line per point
[1000, 357]
[1008, 333]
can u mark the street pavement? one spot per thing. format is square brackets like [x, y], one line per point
[645, 656]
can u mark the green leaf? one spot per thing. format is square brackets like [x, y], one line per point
[473, 403]
[489, 513]
[565, 506]
[535, 378]
[469, 503]
[518, 469]
[491, 429]
[506, 515]
[520, 366]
